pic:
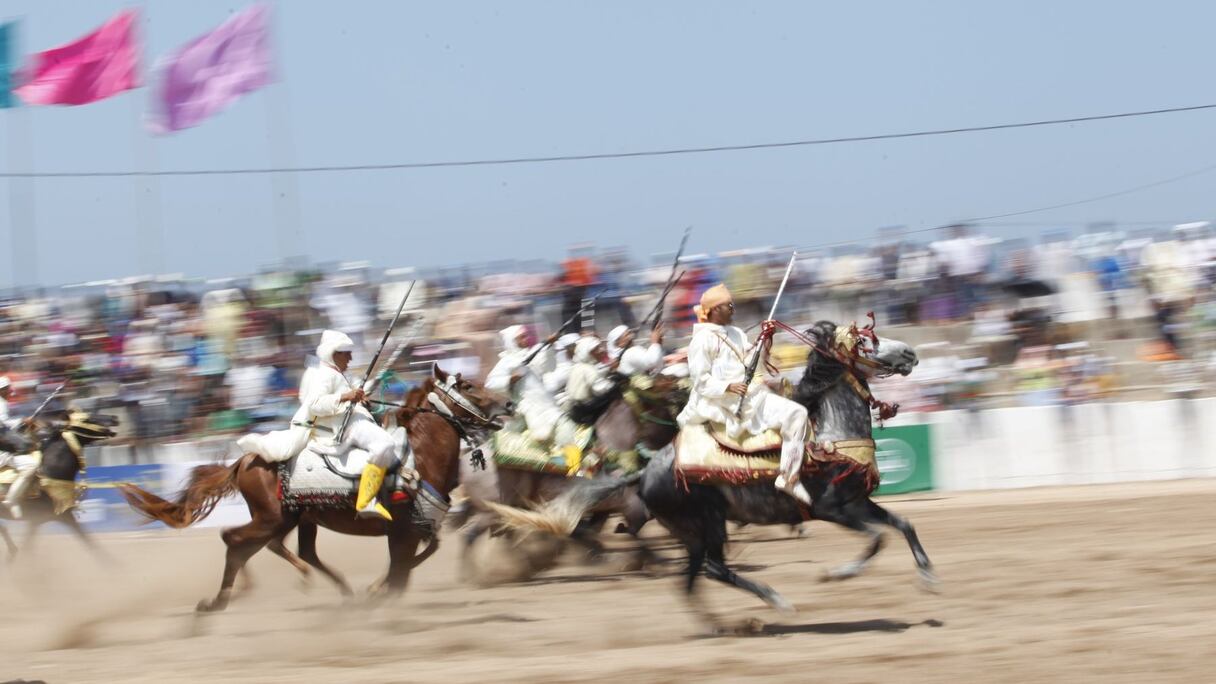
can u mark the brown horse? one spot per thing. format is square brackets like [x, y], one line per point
[646, 419]
[435, 439]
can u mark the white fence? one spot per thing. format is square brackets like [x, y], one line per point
[1072, 445]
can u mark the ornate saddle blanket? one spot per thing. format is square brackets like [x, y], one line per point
[563, 455]
[705, 454]
[309, 480]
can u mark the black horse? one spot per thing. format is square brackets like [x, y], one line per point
[61, 438]
[835, 391]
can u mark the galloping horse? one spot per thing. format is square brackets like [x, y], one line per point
[435, 438]
[624, 418]
[61, 439]
[835, 390]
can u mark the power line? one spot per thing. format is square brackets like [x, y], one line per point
[605, 155]
[1087, 200]
[1098, 198]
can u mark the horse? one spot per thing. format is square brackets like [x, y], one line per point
[835, 390]
[625, 418]
[434, 435]
[61, 440]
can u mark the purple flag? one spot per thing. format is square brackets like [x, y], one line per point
[208, 73]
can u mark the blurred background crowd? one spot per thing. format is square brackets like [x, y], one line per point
[997, 322]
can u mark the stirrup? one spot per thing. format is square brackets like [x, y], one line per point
[794, 489]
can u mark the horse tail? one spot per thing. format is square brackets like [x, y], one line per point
[562, 514]
[206, 486]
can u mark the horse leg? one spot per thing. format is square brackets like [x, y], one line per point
[855, 516]
[402, 547]
[9, 543]
[478, 526]
[85, 538]
[307, 535]
[585, 535]
[432, 545]
[242, 543]
[881, 515]
[278, 548]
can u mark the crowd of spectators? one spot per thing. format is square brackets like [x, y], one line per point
[184, 358]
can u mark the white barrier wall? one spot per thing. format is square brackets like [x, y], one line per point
[1070, 445]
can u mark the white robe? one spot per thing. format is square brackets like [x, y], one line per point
[586, 381]
[717, 358]
[540, 412]
[320, 405]
[642, 359]
[555, 380]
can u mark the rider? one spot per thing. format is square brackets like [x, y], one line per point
[26, 466]
[639, 360]
[555, 380]
[589, 375]
[325, 394]
[523, 383]
[717, 366]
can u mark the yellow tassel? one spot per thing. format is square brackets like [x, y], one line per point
[574, 458]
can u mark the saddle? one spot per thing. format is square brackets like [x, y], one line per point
[706, 454]
[311, 478]
[562, 455]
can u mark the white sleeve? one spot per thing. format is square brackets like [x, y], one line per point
[644, 359]
[700, 365]
[322, 396]
[499, 379]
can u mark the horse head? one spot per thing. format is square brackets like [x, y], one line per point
[863, 350]
[856, 354]
[470, 401]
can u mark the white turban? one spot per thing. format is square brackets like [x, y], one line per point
[508, 335]
[566, 341]
[333, 341]
[4, 382]
[585, 348]
[614, 336]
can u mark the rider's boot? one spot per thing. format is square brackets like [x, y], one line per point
[366, 504]
[795, 489]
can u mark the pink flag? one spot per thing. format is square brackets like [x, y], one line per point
[97, 66]
[208, 73]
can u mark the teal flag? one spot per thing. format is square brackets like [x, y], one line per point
[7, 66]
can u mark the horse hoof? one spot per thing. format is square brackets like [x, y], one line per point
[844, 572]
[781, 604]
[929, 581]
[206, 606]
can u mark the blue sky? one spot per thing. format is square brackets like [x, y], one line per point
[396, 81]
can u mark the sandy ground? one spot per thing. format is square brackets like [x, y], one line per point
[1112, 583]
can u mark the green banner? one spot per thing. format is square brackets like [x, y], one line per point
[6, 65]
[905, 459]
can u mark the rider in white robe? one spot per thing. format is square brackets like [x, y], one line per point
[644, 359]
[717, 366]
[555, 380]
[524, 384]
[25, 465]
[589, 376]
[325, 394]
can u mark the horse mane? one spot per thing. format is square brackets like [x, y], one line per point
[821, 371]
[589, 411]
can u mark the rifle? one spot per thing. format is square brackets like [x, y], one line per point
[755, 362]
[350, 410]
[672, 279]
[54, 394]
[590, 303]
